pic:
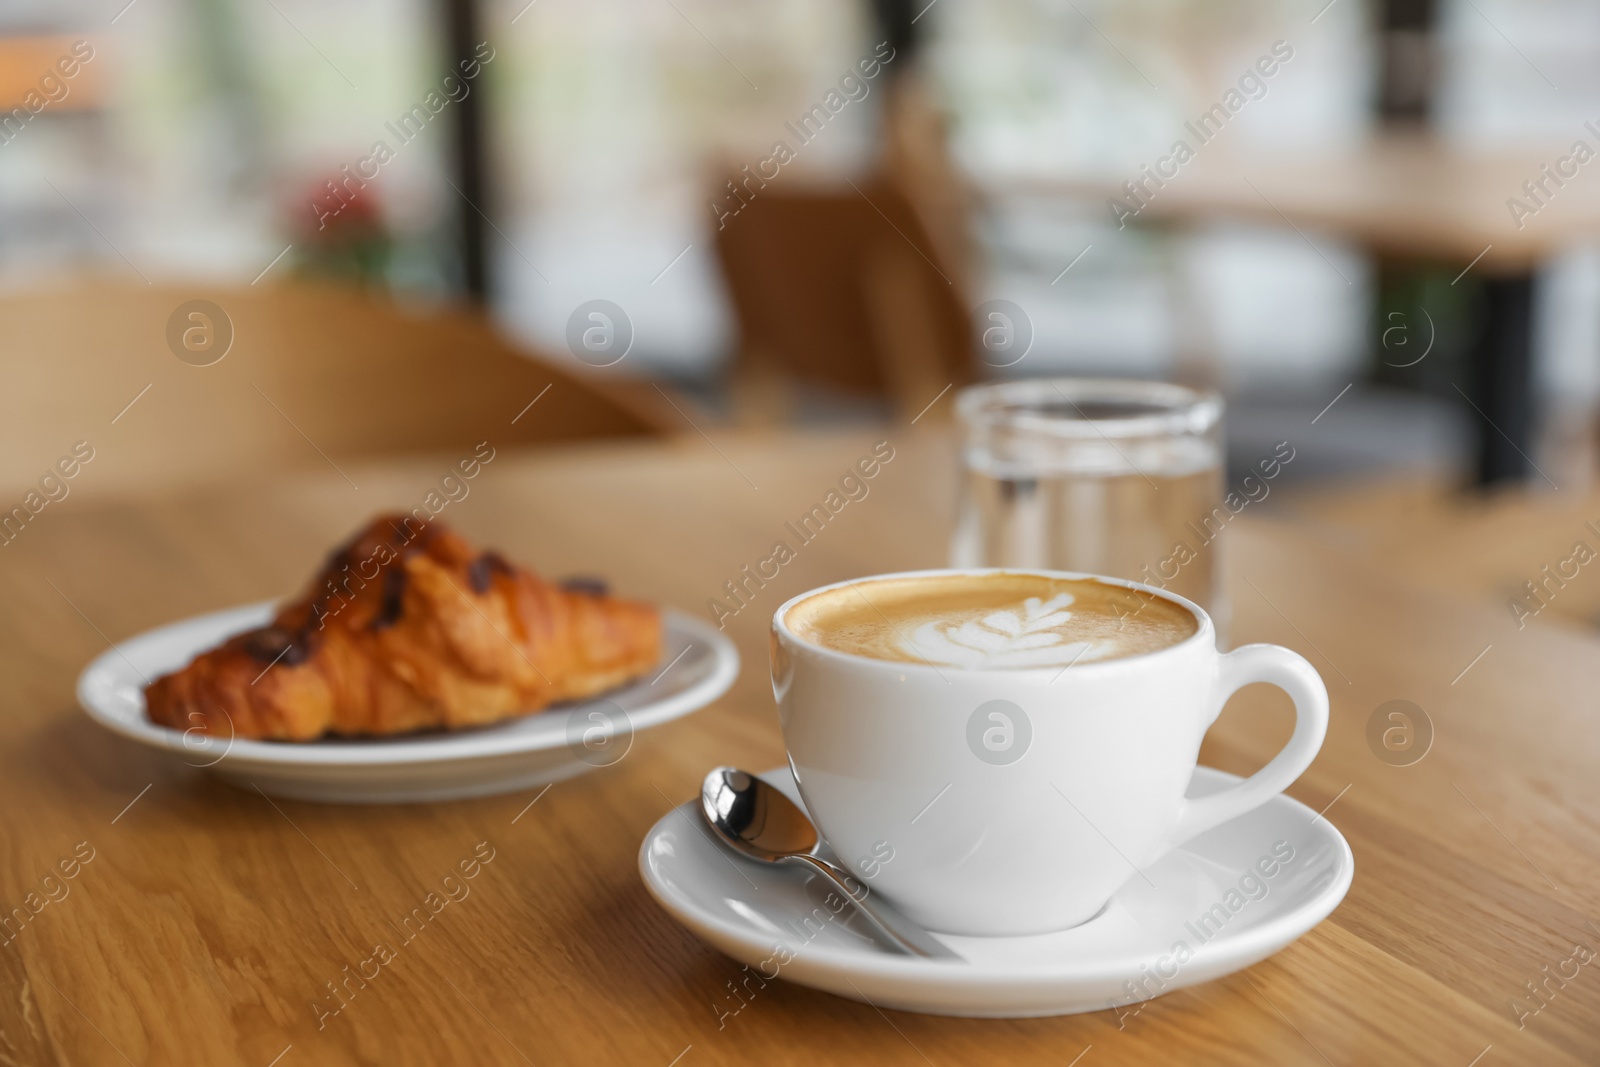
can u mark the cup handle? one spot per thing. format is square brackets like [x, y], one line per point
[1290, 672]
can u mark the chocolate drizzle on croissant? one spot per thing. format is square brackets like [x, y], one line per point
[394, 598]
[586, 584]
[481, 571]
[274, 644]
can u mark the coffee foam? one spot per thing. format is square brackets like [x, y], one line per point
[991, 621]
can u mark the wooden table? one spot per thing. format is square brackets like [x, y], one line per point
[209, 921]
[1406, 198]
[1427, 534]
[1399, 194]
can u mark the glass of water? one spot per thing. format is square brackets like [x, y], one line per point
[1114, 477]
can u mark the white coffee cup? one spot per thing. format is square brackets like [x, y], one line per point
[1000, 802]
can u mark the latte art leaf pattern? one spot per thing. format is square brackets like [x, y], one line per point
[1029, 636]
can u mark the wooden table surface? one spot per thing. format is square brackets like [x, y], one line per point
[1493, 545]
[207, 921]
[1405, 195]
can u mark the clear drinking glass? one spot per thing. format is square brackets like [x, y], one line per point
[1122, 478]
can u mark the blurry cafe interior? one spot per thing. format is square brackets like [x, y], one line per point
[1313, 239]
[663, 274]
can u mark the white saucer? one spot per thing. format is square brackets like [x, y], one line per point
[750, 911]
[697, 666]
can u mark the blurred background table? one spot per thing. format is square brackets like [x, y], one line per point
[1407, 200]
[210, 920]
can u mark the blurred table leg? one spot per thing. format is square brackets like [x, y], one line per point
[468, 165]
[1502, 380]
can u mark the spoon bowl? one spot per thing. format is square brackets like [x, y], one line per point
[753, 817]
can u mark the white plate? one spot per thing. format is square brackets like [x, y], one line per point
[751, 911]
[697, 666]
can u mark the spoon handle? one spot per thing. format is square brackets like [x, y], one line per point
[900, 931]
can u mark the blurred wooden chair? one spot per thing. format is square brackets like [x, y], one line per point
[857, 288]
[313, 375]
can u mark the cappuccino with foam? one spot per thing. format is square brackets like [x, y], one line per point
[1044, 766]
[985, 621]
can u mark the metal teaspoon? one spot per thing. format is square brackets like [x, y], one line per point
[759, 822]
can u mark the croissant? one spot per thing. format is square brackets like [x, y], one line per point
[407, 628]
